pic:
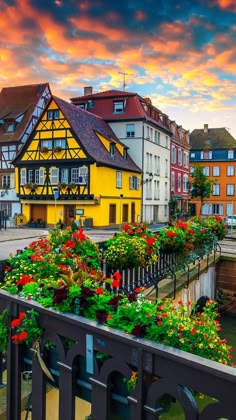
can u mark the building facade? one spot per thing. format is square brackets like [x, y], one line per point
[74, 168]
[215, 150]
[148, 133]
[20, 109]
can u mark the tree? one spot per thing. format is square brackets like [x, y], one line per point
[201, 185]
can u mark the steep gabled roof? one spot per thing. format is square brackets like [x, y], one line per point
[136, 107]
[14, 102]
[211, 139]
[85, 125]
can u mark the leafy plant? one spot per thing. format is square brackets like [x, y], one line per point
[4, 328]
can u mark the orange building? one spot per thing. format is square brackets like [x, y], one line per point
[215, 150]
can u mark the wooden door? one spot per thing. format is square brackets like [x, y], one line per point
[69, 214]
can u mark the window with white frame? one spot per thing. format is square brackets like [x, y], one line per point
[180, 157]
[156, 190]
[206, 209]
[83, 175]
[185, 159]
[53, 114]
[167, 142]
[30, 176]
[217, 209]
[192, 155]
[149, 162]
[39, 176]
[118, 107]
[230, 170]
[172, 181]
[59, 143]
[185, 182]
[230, 154]
[230, 189]
[118, 179]
[134, 183]
[165, 211]
[6, 181]
[23, 178]
[6, 207]
[54, 176]
[65, 175]
[130, 130]
[206, 171]
[179, 182]
[216, 171]
[46, 144]
[151, 134]
[173, 157]
[216, 189]
[201, 155]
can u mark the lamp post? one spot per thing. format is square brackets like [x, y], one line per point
[121, 196]
[56, 196]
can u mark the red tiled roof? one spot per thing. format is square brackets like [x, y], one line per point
[134, 107]
[15, 101]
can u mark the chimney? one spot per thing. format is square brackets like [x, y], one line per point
[88, 90]
[205, 128]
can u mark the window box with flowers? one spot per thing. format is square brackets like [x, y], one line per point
[44, 149]
[57, 149]
[31, 186]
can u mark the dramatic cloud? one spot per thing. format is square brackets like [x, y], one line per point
[179, 54]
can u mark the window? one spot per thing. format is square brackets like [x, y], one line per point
[39, 176]
[185, 182]
[180, 157]
[216, 171]
[172, 187]
[173, 157]
[157, 165]
[6, 207]
[47, 144]
[125, 213]
[216, 189]
[230, 189]
[112, 149]
[179, 182]
[90, 104]
[217, 209]
[206, 171]
[134, 183]
[59, 143]
[230, 154]
[6, 181]
[167, 142]
[81, 106]
[166, 168]
[166, 191]
[192, 155]
[130, 130]
[10, 127]
[83, 175]
[64, 175]
[118, 107]
[206, 209]
[54, 176]
[30, 176]
[156, 190]
[118, 179]
[230, 170]
[53, 114]
[191, 170]
[23, 180]
[185, 159]
[149, 162]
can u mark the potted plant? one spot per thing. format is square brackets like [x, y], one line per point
[57, 149]
[44, 149]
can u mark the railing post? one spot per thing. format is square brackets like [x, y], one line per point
[14, 361]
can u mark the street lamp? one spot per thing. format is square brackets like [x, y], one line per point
[56, 196]
[121, 196]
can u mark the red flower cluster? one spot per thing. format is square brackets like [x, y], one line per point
[24, 279]
[22, 335]
[171, 234]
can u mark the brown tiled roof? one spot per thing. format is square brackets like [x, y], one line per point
[134, 107]
[15, 101]
[85, 126]
[214, 138]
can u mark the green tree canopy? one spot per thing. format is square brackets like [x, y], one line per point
[201, 185]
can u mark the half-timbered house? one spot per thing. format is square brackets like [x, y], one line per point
[73, 167]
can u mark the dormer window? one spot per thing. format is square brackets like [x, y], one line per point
[125, 155]
[10, 127]
[118, 107]
[90, 104]
[112, 149]
[81, 106]
[53, 114]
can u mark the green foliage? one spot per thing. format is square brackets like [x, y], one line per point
[201, 184]
[4, 328]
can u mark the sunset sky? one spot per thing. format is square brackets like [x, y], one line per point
[181, 54]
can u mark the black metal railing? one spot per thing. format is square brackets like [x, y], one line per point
[79, 373]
